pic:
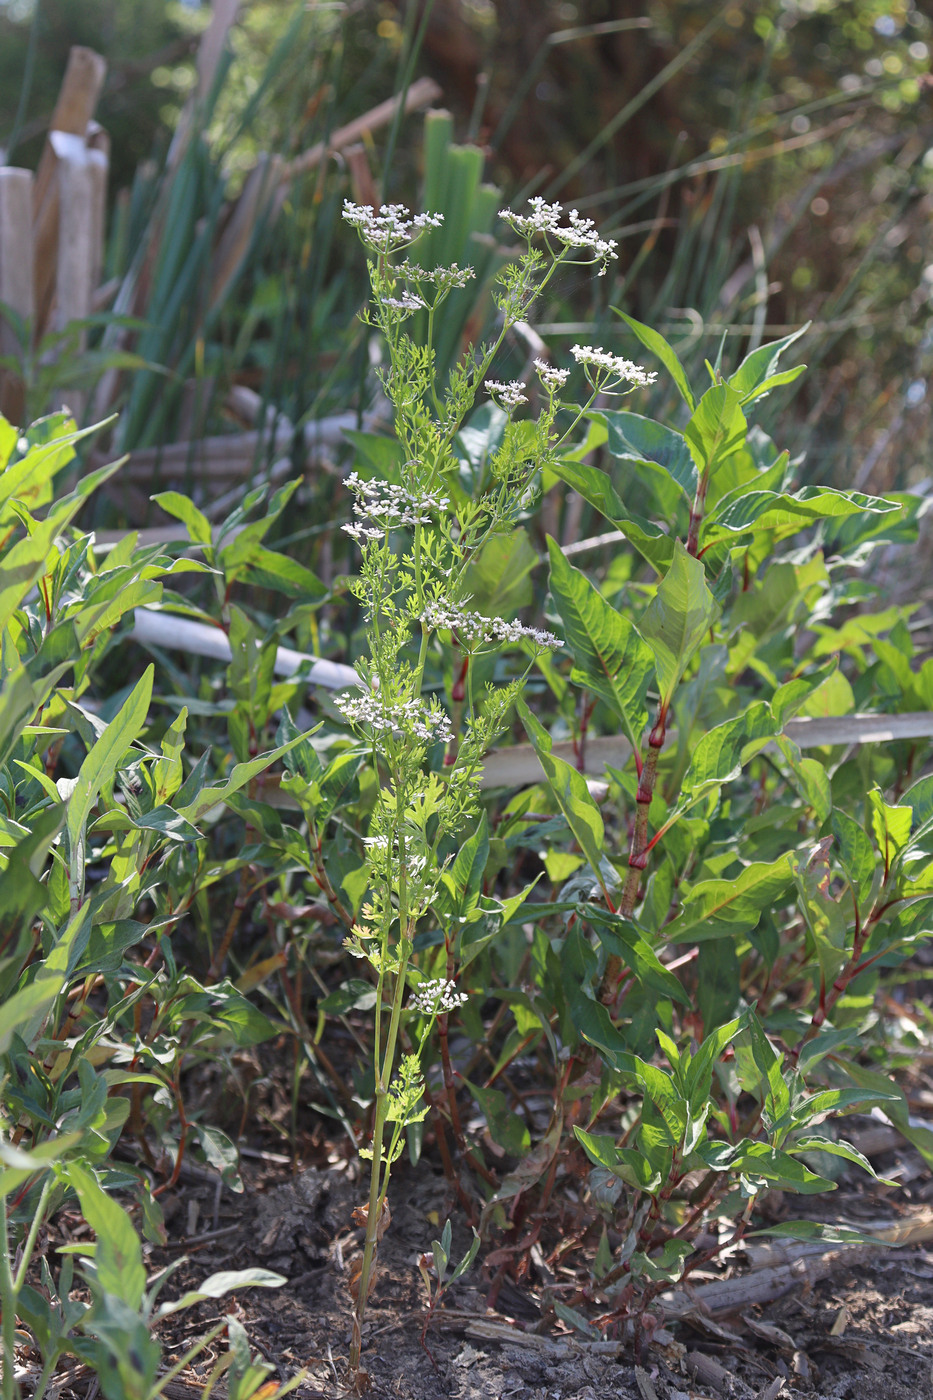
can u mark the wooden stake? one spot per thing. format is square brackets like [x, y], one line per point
[16, 277]
[77, 99]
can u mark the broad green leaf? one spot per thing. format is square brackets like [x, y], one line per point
[118, 1262]
[837, 1147]
[652, 340]
[716, 429]
[756, 374]
[665, 1266]
[465, 877]
[856, 854]
[776, 1095]
[219, 1285]
[633, 438]
[724, 908]
[779, 1169]
[505, 1127]
[809, 777]
[786, 514]
[23, 1006]
[624, 1162]
[267, 568]
[720, 752]
[835, 1101]
[590, 1018]
[499, 580]
[699, 1075]
[571, 792]
[825, 918]
[610, 657]
[596, 488]
[624, 939]
[890, 826]
[100, 766]
[663, 1093]
[677, 620]
[185, 510]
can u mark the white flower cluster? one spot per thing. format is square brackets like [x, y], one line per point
[507, 396]
[389, 504]
[453, 275]
[407, 302]
[479, 628]
[428, 723]
[615, 366]
[437, 996]
[552, 379]
[390, 227]
[578, 232]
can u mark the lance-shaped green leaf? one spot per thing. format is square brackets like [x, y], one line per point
[624, 939]
[208, 797]
[185, 510]
[698, 1074]
[100, 765]
[716, 429]
[118, 1262]
[724, 908]
[824, 917]
[760, 1159]
[610, 657]
[626, 1163]
[786, 514]
[666, 1265]
[758, 372]
[677, 619]
[594, 486]
[572, 794]
[652, 340]
[672, 1109]
[812, 1230]
[774, 1092]
[633, 438]
[855, 851]
[890, 826]
[809, 777]
[720, 753]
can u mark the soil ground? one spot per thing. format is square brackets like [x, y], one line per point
[865, 1331]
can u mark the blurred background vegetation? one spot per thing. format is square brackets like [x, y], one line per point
[762, 165]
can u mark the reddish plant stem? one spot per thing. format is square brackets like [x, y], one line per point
[184, 1125]
[586, 708]
[696, 514]
[322, 880]
[638, 851]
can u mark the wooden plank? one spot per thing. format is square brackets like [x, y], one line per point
[254, 204]
[420, 94]
[236, 450]
[210, 51]
[77, 99]
[98, 146]
[75, 253]
[519, 766]
[16, 277]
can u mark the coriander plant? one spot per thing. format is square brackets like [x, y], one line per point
[419, 534]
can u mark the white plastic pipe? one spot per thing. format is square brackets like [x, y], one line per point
[163, 629]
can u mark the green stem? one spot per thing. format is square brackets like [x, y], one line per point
[8, 1303]
[35, 1226]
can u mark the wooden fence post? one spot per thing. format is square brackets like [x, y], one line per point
[16, 278]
